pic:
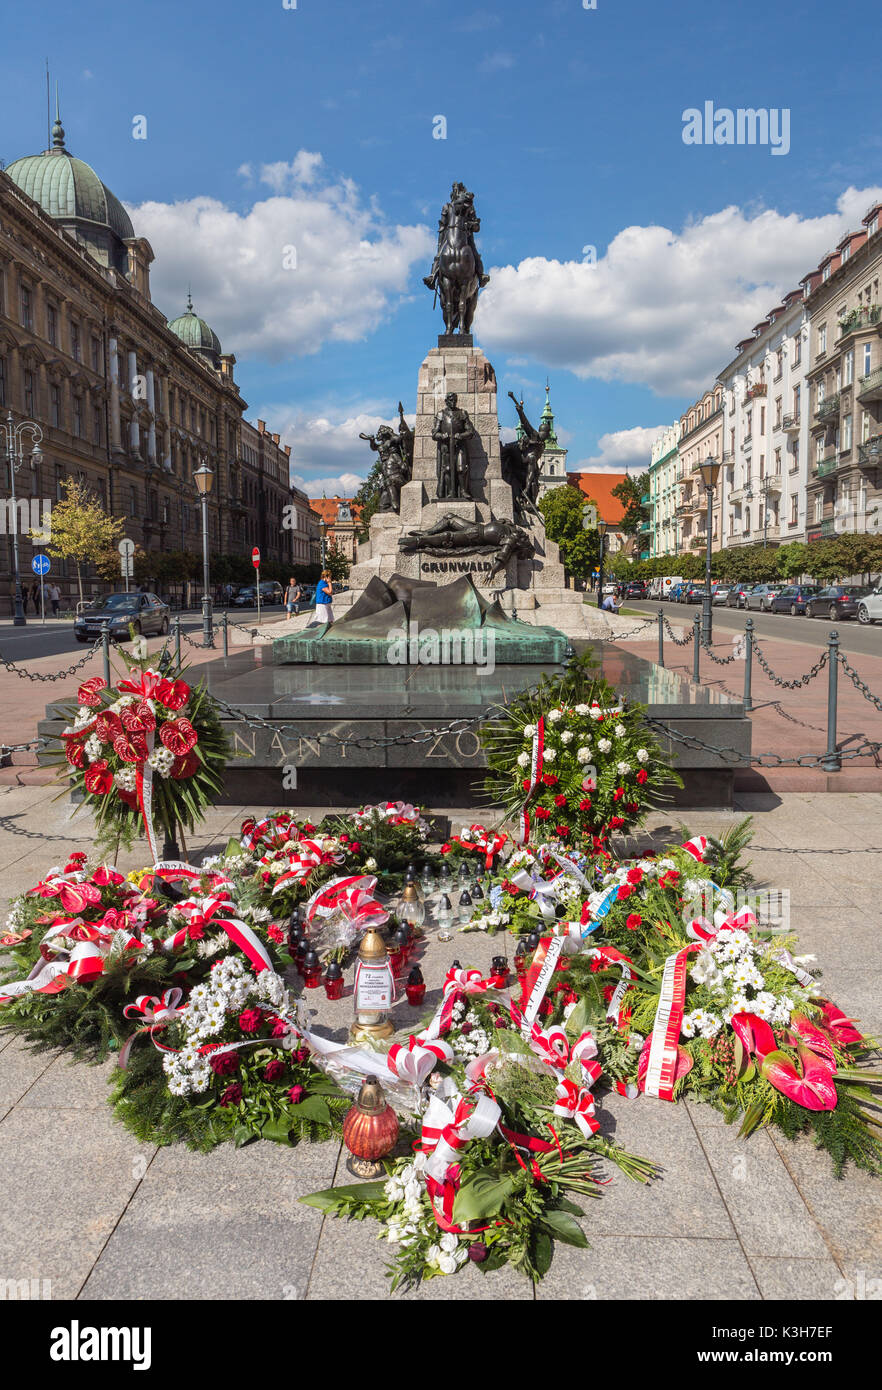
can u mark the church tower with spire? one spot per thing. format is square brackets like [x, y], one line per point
[553, 463]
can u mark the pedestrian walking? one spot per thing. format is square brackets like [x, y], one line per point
[35, 596]
[54, 598]
[24, 598]
[324, 594]
[292, 597]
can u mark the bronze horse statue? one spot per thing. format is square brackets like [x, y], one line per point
[458, 273]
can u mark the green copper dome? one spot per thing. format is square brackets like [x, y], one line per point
[548, 414]
[70, 191]
[196, 334]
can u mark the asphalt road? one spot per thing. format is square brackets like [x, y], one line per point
[853, 637]
[57, 637]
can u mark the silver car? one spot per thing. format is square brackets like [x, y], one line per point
[870, 607]
[761, 595]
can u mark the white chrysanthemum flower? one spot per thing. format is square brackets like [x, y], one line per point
[126, 779]
[555, 716]
[583, 755]
[623, 769]
[523, 759]
[643, 756]
[94, 747]
[370, 863]
[529, 730]
[764, 1005]
[595, 713]
[711, 1025]
[620, 731]
[583, 710]
[567, 736]
[604, 744]
[550, 755]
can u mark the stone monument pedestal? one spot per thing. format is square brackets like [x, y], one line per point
[535, 588]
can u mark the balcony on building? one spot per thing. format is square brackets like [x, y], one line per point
[772, 482]
[869, 387]
[790, 424]
[870, 453]
[747, 443]
[828, 407]
[863, 319]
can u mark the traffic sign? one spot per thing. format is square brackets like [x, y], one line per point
[126, 547]
[40, 564]
[255, 558]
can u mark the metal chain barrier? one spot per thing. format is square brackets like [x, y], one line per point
[55, 675]
[23, 747]
[677, 641]
[720, 660]
[735, 756]
[858, 683]
[256, 722]
[794, 684]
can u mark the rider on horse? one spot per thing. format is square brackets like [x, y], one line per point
[458, 194]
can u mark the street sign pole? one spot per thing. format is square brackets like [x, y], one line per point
[126, 550]
[41, 566]
[255, 560]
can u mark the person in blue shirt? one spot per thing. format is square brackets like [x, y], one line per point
[324, 594]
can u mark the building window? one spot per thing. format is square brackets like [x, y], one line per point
[96, 424]
[96, 355]
[797, 349]
[75, 341]
[873, 224]
[794, 510]
[29, 394]
[133, 500]
[848, 367]
[822, 339]
[27, 306]
[52, 324]
[846, 433]
[868, 357]
[78, 416]
[865, 426]
[3, 381]
[846, 252]
[54, 406]
[59, 479]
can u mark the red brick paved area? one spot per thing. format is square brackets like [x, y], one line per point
[792, 723]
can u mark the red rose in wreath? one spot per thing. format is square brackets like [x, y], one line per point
[99, 778]
[75, 754]
[139, 718]
[179, 736]
[132, 748]
[173, 694]
[182, 768]
[88, 692]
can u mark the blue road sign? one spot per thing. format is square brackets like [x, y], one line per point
[40, 564]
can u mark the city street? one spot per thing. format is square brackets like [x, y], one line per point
[812, 632]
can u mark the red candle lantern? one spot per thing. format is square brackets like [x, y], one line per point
[415, 989]
[334, 981]
[370, 1130]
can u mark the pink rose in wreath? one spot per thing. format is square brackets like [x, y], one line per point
[179, 736]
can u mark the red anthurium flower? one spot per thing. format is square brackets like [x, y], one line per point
[182, 768]
[76, 897]
[98, 778]
[138, 719]
[132, 748]
[128, 797]
[179, 736]
[106, 878]
[108, 725]
[75, 754]
[173, 694]
[88, 692]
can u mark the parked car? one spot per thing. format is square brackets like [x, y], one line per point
[719, 593]
[760, 596]
[870, 608]
[271, 592]
[145, 613]
[793, 598]
[693, 592]
[635, 588]
[837, 601]
[735, 596]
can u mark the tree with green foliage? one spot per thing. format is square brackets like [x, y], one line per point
[562, 511]
[337, 563]
[629, 492]
[81, 529]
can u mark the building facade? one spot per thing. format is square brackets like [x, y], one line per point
[701, 437]
[129, 403]
[844, 485]
[663, 496]
[271, 513]
[337, 524]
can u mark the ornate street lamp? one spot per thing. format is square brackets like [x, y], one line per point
[601, 532]
[323, 532]
[204, 480]
[13, 434]
[710, 472]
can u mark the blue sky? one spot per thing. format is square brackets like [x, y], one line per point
[313, 127]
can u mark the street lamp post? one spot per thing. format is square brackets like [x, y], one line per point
[13, 434]
[204, 480]
[710, 472]
[601, 531]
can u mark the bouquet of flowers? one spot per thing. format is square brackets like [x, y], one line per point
[383, 840]
[572, 761]
[149, 752]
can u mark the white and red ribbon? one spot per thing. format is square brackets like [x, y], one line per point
[537, 761]
[217, 913]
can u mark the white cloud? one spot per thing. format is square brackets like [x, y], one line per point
[661, 308]
[326, 452]
[349, 268]
[621, 451]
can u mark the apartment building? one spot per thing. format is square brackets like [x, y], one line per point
[663, 495]
[701, 437]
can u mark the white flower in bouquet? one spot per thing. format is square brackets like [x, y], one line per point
[125, 779]
[555, 715]
[583, 710]
[583, 755]
[620, 731]
[604, 744]
[84, 716]
[465, 833]
[567, 736]
[523, 759]
[529, 730]
[623, 769]
[550, 755]
[783, 1009]
[449, 1243]
[595, 712]
[706, 971]
[643, 757]
[370, 863]
[93, 747]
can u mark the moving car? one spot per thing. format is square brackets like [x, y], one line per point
[837, 601]
[793, 598]
[870, 608]
[145, 613]
[760, 596]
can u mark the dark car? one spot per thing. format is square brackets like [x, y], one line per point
[635, 589]
[793, 598]
[693, 593]
[271, 593]
[837, 601]
[736, 596]
[144, 613]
